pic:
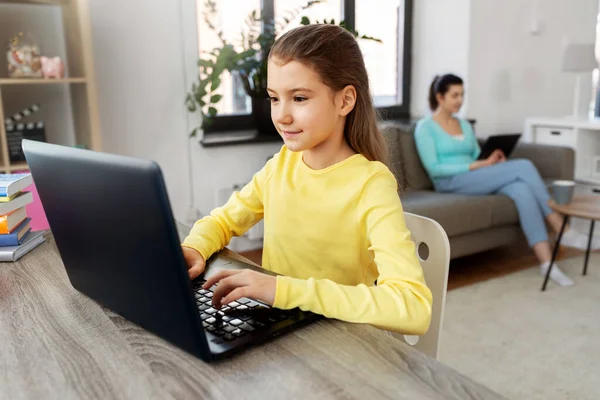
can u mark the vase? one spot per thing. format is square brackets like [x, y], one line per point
[261, 113]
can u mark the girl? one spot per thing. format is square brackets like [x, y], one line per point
[449, 150]
[334, 224]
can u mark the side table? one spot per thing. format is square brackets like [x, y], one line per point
[586, 207]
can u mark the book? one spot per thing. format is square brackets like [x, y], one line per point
[21, 199]
[17, 236]
[6, 199]
[11, 184]
[9, 222]
[13, 253]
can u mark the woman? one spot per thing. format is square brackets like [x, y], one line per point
[449, 150]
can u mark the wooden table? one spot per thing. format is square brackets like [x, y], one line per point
[586, 207]
[58, 344]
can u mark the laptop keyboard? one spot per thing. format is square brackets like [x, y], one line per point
[236, 319]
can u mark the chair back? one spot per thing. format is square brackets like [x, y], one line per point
[433, 251]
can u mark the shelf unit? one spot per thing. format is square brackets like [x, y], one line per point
[580, 134]
[76, 23]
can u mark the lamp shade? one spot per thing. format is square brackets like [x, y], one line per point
[579, 57]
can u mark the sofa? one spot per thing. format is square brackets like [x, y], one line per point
[472, 223]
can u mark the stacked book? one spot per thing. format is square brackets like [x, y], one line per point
[16, 237]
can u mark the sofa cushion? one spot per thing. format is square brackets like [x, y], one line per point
[458, 214]
[504, 211]
[415, 175]
[391, 134]
[405, 156]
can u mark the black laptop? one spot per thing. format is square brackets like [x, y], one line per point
[112, 222]
[506, 143]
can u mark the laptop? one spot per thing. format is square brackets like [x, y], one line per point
[506, 143]
[113, 226]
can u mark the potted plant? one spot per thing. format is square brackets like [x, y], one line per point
[246, 61]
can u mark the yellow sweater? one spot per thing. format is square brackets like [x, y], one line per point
[331, 233]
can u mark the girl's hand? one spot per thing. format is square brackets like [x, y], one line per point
[238, 283]
[195, 262]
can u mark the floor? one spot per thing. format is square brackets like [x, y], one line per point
[479, 267]
[509, 336]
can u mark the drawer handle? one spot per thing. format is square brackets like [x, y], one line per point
[596, 190]
[556, 133]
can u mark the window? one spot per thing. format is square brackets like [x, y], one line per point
[328, 10]
[229, 18]
[385, 22]
[388, 63]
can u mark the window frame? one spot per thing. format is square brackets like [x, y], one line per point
[245, 122]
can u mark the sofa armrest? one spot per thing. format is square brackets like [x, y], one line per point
[552, 162]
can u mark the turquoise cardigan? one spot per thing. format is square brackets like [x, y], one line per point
[442, 154]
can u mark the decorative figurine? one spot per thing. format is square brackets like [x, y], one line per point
[23, 57]
[52, 67]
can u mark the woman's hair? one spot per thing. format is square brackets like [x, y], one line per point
[334, 54]
[441, 85]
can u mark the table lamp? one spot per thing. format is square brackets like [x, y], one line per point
[579, 58]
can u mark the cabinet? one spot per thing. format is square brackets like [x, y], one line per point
[557, 136]
[582, 135]
[80, 81]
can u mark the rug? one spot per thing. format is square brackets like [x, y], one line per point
[524, 344]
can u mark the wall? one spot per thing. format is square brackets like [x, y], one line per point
[45, 25]
[143, 73]
[441, 32]
[509, 73]
[514, 74]
[139, 61]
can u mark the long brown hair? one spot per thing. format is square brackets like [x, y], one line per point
[334, 54]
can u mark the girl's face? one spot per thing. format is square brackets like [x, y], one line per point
[452, 100]
[305, 111]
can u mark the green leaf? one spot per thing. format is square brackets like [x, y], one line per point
[305, 21]
[215, 84]
[193, 133]
[370, 38]
[202, 87]
[206, 121]
[246, 54]
[212, 111]
[215, 98]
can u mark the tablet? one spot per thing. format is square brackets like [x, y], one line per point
[506, 143]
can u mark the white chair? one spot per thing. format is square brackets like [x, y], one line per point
[433, 250]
